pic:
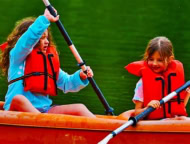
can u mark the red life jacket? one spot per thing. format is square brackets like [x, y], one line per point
[156, 86]
[41, 72]
[3, 46]
[45, 70]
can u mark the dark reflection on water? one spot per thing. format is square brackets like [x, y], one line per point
[108, 35]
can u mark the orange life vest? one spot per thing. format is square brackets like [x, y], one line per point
[44, 70]
[3, 46]
[41, 72]
[156, 86]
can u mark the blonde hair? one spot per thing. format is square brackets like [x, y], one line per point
[20, 28]
[162, 45]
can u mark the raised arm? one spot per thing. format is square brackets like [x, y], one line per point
[31, 37]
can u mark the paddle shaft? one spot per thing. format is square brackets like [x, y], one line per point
[134, 120]
[109, 110]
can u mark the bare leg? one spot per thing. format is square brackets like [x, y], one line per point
[178, 118]
[21, 103]
[72, 109]
[183, 118]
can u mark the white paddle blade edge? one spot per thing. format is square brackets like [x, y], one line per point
[116, 132]
[106, 139]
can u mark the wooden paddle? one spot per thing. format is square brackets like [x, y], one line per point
[109, 110]
[134, 120]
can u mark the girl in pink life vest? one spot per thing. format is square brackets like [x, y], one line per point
[31, 62]
[160, 75]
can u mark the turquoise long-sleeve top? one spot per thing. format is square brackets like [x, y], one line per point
[23, 47]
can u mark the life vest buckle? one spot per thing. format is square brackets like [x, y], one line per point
[36, 73]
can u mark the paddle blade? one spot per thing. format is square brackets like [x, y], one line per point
[106, 139]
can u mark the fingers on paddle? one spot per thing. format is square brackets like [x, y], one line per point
[89, 72]
[50, 17]
[154, 104]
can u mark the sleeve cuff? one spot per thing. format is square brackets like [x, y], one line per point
[78, 79]
[44, 20]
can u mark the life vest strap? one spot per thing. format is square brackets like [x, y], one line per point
[28, 75]
[163, 87]
[53, 71]
[176, 100]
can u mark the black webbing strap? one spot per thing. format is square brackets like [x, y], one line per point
[169, 90]
[53, 71]
[28, 75]
[45, 69]
[163, 87]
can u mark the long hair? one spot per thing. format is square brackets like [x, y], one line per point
[161, 44]
[20, 28]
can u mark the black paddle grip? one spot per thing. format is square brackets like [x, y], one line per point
[109, 110]
[141, 115]
[187, 84]
[60, 26]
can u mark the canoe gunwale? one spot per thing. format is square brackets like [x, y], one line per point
[57, 121]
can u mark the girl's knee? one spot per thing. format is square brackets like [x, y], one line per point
[83, 111]
[18, 99]
[81, 106]
[184, 118]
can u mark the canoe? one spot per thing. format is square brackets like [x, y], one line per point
[30, 128]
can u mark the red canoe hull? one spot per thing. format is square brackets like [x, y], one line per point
[28, 128]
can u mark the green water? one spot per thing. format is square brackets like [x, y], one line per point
[108, 34]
